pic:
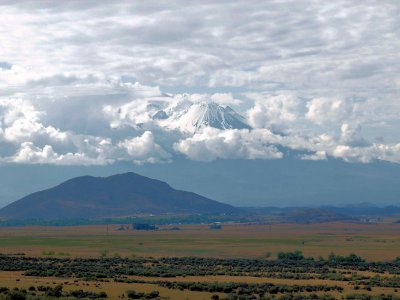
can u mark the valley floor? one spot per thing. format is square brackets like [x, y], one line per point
[379, 241]
[196, 262]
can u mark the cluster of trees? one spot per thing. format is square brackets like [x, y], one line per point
[332, 258]
[350, 259]
[236, 292]
[381, 281]
[47, 293]
[247, 289]
[289, 265]
[132, 294]
[296, 255]
[216, 226]
[310, 297]
[280, 297]
[143, 226]
[371, 297]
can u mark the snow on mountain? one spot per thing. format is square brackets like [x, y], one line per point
[193, 116]
[175, 113]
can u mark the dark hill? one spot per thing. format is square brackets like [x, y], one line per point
[115, 196]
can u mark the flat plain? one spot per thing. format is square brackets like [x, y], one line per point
[374, 242]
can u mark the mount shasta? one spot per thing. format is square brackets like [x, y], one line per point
[180, 114]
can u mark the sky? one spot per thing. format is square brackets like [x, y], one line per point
[81, 80]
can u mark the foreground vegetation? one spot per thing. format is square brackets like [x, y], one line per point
[304, 277]
[47, 292]
[290, 265]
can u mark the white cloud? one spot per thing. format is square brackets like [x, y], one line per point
[349, 132]
[211, 143]
[273, 110]
[312, 79]
[319, 155]
[368, 154]
[30, 154]
[328, 110]
[312, 46]
[225, 99]
[144, 149]
[21, 121]
[121, 126]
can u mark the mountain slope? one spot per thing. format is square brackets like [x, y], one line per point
[118, 195]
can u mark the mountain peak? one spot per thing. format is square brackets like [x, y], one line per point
[207, 114]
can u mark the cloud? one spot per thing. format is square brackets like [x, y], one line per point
[318, 155]
[88, 79]
[21, 121]
[222, 44]
[30, 154]
[143, 149]
[98, 127]
[211, 143]
[367, 154]
[328, 110]
[273, 110]
[225, 99]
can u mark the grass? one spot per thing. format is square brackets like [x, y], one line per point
[251, 241]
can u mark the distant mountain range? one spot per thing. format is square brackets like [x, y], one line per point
[356, 212]
[129, 194]
[119, 195]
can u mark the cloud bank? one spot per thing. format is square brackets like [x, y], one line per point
[88, 84]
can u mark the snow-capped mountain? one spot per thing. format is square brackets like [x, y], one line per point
[194, 116]
[175, 113]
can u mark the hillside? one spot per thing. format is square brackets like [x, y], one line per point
[115, 196]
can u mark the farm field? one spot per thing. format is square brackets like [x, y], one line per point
[374, 242]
